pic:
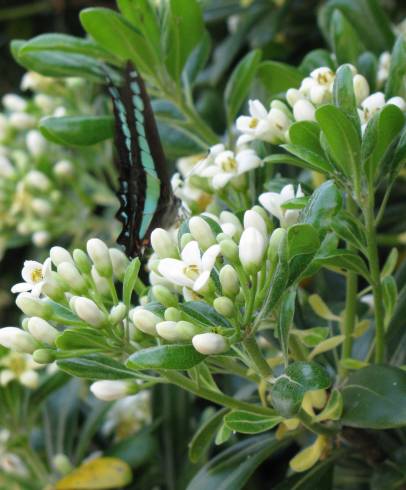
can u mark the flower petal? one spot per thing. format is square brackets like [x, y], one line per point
[257, 109]
[272, 201]
[21, 287]
[191, 254]
[209, 257]
[173, 271]
[201, 281]
[221, 179]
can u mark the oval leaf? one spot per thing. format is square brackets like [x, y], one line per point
[165, 357]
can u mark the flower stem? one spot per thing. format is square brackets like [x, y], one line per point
[374, 270]
[250, 344]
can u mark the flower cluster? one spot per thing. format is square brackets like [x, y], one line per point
[37, 177]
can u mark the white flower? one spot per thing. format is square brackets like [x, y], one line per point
[193, 271]
[228, 165]
[251, 249]
[19, 367]
[34, 274]
[35, 142]
[22, 120]
[107, 390]
[14, 103]
[371, 105]
[37, 180]
[18, 340]
[383, 68]
[272, 202]
[210, 343]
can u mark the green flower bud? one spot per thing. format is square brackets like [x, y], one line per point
[163, 244]
[224, 306]
[229, 281]
[117, 313]
[172, 314]
[229, 250]
[274, 243]
[31, 306]
[185, 239]
[82, 261]
[54, 287]
[44, 356]
[222, 236]
[164, 296]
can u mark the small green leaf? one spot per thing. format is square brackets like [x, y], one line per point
[327, 345]
[350, 363]
[395, 84]
[296, 203]
[367, 65]
[349, 229]
[325, 203]
[239, 83]
[95, 366]
[250, 423]
[204, 436]
[302, 239]
[172, 356]
[197, 60]
[77, 130]
[130, 279]
[390, 296]
[347, 45]
[374, 398]
[315, 59]
[390, 263]
[312, 336]
[81, 338]
[204, 314]
[347, 260]
[312, 160]
[286, 313]
[344, 96]
[278, 77]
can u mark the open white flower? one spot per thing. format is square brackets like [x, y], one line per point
[272, 202]
[228, 165]
[19, 367]
[34, 274]
[193, 271]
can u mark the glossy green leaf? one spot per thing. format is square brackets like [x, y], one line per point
[204, 436]
[95, 366]
[77, 130]
[296, 203]
[344, 97]
[367, 65]
[374, 398]
[280, 277]
[312, 336]
[342, 138]
[116, 35]
[349, 229]
[315, 59]
[346, 43]
[346, 259]
[278, 77]
[204, 314]
[302, 239]
[197, 60]
[231, 469]
[81, 338]
[172, 356]
[303, 158]
[313, 161]
[395, 84]
[239, 83]
[130, 279]
[285, 320]
[250, 423]
[325, 203]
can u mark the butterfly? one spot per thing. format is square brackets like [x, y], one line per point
[145, 194]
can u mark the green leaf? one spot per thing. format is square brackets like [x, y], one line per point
[81, 338]
[278, 77]
[204, 436]
[342, 138]
[302, 161]
[204, 314]
[313, 161]
[239, 83]
[165, 357]
[345, 259]
[374, 398]
[390, 296]
[95, 366]
[315, 59]
[367, 65]
[395, 84]
[312, 336]
[197, 60]
[325, 203]
[231, 469]
[286, 313]
[130, 279]
[344, 96]
[347, 45]
[250, 423]
[302, 239]
[289, 389]
[183, 30]
[116, 35]
[349, 229]
[280, 277]
[47, 386]
[77, 130]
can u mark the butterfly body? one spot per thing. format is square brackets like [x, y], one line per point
[145, 195]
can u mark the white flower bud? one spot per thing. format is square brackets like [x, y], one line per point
[60, 111]
[29, 379]
[89, 312]
[41, 238]
[14, 103]
[54, 287]
[22, 120]
[35, 142]
[42, 331]
[15, 339]
[293, 95]
[42, 207]
[110, 390]
[229, 281]
[64, 169]
[59, 255]
[100, 256]
[210, 343]
[37, 180]
[44, 102]
[6, 168]
[164, 296]
[145, 320]
[117, 313]
[167, 330]
[224, 306]
[251, 250]
[32, 306]
[119, 262]
[303, 110]
[361, 88]
[319, 94]
[398, 101]
[201, 232]
[163, 244]
[252, 219]
[62, 464]
[101, 283]
[72, 276]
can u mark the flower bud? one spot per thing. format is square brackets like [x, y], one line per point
[59, 255]
[15, 339]
[99, 253]
[29, 379]
[22, 120]
[145, 320]
[172, 314]
[41, 207]
[6, 168]
[82, 261]
[251, 250]
[37, 180]
[62, 464]
[397, 101]
[167, 330]
[117, 313]
[35, 142]
[226, 218]
[64, 169]
[44, 356]
[163, 244]
[72, 276]
[303, 110]
[201, 232]
[224, 306]
[164, 296]
[119, 262]
[293, 95]
[210, 343]
[255, 220]
[229, 281]
[54, 287]
[361, 88]
[41, 238]
[14, 103]
[185, 239]
[108, 390]
[186, 330]
[89, 312]
[229, 250]
[42, 331]
[274, 243]
[101, 283]
[31, 306]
